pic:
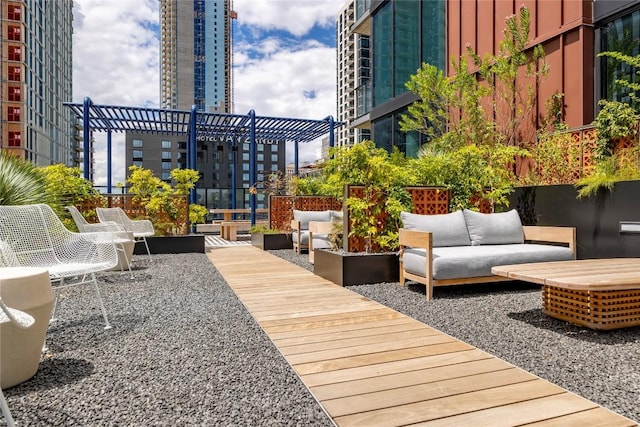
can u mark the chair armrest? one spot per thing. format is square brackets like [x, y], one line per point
[538, 233]
[415, 239]
[295, 225]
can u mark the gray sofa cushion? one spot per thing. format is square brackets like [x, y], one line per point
[494, 229]
[336, 216]
[447, 229]
[304, 237]
[476, 261]
[305, 216]
[321, 241]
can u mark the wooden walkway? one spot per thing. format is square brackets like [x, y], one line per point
[369, 365]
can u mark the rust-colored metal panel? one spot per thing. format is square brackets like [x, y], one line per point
[453, 32]
[574, 78]
[503, 9]
[554, 82]
[486, 22]
[468, 22]
[550, 13]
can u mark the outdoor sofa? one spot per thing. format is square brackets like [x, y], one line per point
[461, 247]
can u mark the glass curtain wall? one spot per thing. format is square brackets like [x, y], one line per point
[620, 35]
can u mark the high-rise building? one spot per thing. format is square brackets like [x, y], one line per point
[195, 57]
[353, 61]
[398, 37]
[196, 38]
[36, 80]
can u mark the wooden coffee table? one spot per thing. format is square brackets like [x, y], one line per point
[596, 293]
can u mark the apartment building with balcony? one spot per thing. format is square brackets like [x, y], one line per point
[36, 79]
[403, 34]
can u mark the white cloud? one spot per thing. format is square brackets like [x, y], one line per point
[295, 16]
[116, 62]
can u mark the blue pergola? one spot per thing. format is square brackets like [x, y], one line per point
[199, 125]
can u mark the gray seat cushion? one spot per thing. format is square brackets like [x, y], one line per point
[476, 261]
[304, 237]
[321, 241]
[495, 228]
[446, 229]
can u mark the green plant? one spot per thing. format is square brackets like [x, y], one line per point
[603, 178]
[375, 216]
[615, 120]
[262, 229]
[471, 173]
[21, 183]
[158, 196]
[67, 187]
[451, 110]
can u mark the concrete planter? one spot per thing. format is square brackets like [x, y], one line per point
[348, 268]
[597, 219]
[270, 242]
[172, 244]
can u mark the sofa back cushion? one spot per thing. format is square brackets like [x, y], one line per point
[305, 216]
[336, 216]
[446, 229]
[501, 228]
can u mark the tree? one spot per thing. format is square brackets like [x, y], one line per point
[494, 105]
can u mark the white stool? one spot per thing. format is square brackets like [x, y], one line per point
[27, 289]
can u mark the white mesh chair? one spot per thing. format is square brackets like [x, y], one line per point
[141, 228]
[21, 320]
[33, 236]
[119, 235]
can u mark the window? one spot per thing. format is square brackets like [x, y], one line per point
[13, 114]
[14, 33]
[137, 154]
[14, 13]
[15, 93]
[14, 139]
[274, 148]
[274, 167]
[261, 157]
[166, 176]
[274, 157]
[166, 165]
[14, 73]
[245, 177]
[137, 163]
[245, 166]
[15, 53]
[137, 143]
[245, 156]
[166, 155]
[166, 144]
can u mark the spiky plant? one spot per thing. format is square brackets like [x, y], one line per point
[21, 183]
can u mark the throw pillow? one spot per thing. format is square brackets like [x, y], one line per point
[501, 228]
[447, 229]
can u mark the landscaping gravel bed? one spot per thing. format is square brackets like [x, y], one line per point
[184, 351]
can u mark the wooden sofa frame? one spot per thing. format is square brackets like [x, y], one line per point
[423, 239]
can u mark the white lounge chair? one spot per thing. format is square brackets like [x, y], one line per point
[141, 228]
[21, 320]
[34, 236]
[120, 236]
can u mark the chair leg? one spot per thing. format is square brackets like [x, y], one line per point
[104, 310]
[144, 239]
[5, 411]
[124, 253]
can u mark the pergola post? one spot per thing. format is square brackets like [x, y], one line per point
[86, 136]
[191, 149]
[252, 163]
[109, 144]
[234, 159]
[295, 157]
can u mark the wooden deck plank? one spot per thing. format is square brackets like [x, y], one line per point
[369, 365]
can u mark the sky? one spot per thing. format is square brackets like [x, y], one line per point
[284, 62]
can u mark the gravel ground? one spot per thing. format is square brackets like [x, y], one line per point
[184, 351]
